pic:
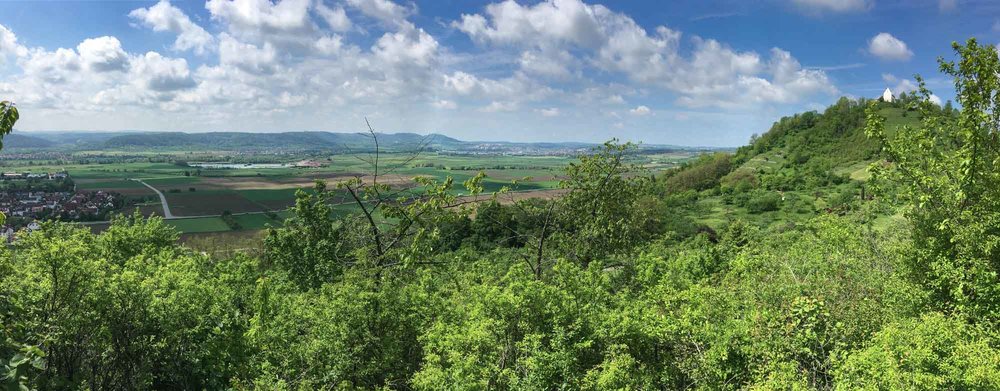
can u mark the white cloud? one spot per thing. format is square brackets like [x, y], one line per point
[385, 11]
[445, 104]
[53, 67]
[335, 17]
[103, 54]
[322, 64]
[497, 106]
[640, 111]
[247, 57]
[548, 112]
[935, 100]
[904, 85]
[515, 88]
[899, 85]
[165, 17]
[835, 6]
[889, 48]
[712, 75]
[285, 15]
[548, 22]
[554, 64]
[9, 45]
[408, 48]
[161, 74]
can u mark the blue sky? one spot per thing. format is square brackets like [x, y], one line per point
[677, 72]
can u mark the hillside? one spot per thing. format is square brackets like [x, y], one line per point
[15, 141]
[808, 163]
[285, 140]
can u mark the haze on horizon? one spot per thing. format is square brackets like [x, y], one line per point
[684, 73]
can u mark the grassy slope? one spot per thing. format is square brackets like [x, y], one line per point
[799, 205]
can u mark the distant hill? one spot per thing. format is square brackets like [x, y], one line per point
[286, 140]
[308, 141]
[14, 141]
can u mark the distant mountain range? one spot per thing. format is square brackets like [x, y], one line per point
[286, 141]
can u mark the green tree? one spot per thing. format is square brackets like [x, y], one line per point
[932, 352]
[947, 174]
[600, 208]
[310, 246]
[8, 117]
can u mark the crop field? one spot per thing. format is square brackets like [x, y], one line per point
[197, 196]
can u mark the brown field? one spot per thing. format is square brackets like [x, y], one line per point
[131, 191]
[245, 183]
[203, 204]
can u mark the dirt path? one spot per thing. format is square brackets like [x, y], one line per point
[163, 200]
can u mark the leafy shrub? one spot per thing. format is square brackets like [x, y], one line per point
[763, 201]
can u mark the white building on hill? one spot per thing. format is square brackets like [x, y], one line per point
[887, 95]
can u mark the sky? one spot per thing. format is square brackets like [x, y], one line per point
[696, 73]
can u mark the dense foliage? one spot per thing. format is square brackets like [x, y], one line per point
[605, 287]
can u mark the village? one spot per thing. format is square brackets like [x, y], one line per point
[25, 206]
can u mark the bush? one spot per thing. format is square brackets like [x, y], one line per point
[764, 201]
[702, 174]
[934, 352]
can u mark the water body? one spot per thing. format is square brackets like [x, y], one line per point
[239, 165]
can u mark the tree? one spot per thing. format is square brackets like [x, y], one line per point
[600, 206]
[310, 246]
[401, 224]
[947, 173]
[932, 352]
[8, 117]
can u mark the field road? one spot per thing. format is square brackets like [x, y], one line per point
[163, 200]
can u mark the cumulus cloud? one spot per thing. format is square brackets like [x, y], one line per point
[164, 17]
[409, 48]
[286, 15]
[9, 45]
[103, 54]
[161, 74]
[54, 67]
[834, 6]
[889, 48]
[316, 60]
[712, 75]
[640, 110]
[385, 11]
[247, 57]
[335, 17]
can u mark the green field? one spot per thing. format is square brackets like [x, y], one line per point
[198, 225]
[250, 192]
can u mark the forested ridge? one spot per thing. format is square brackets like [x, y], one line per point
[892, 284]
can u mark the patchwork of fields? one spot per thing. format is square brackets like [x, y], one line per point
[260, 197]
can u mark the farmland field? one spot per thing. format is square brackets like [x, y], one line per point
[254, 194]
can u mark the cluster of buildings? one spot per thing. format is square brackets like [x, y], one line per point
[24, 208]
[61, 205]
[31, 175]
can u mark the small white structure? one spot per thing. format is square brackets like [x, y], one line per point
[887, 95]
